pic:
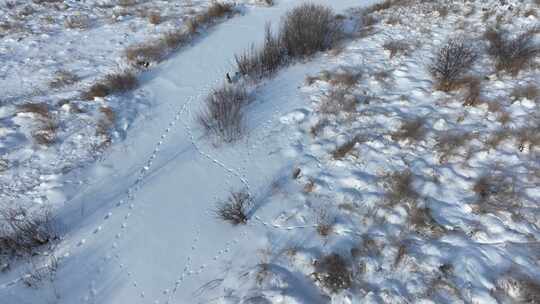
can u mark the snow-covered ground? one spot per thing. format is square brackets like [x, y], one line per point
[331, 169]
[52, 51]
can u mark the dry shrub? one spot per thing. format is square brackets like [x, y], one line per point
[105, 124]
[529, 91]
[63, 78]
[342, 77]
[318, 127]
[442, 10]
[452, 61]
[519, 288]
[473, 87]
[41, 109]
[154, 18]
[333, 273]
[338, 101]
[386, 4]
[264, 61]
[396, 47]
[398, 187]
[345, 78]
[422, 222]
[46, 131]
[78, 22]
[4, 164]
[223, 114]
[23, 233]
[150, 51]
[39, 274]
[127, 3]
[412, 130]
[495, 138]
[309, 28]
[235, 209]
[347, 147]
[400, 254]
[512, 53]
[218, 9]
[528, 137]
[268, 2]
[174, 39]
[449, 143]
[324, 223]
[113, 83]
[495, 192]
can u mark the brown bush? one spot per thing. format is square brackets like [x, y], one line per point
[399, 188]
[78, 22]
[236, 208]
[325, 223]
[154, 18]
[338, 101]
[309, 28]
[112, 84]
[150, 51]
[495, 192]
[452, 61]
[46, 130]
[223, 113]
[413, 130]
[264, 61]
[333, 273]
[512, 54]
[529, 91]
[396, 47]
[63, 78]
[347, 147]
[24, 232]
[449, 143]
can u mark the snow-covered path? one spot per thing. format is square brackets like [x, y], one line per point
[142, 229]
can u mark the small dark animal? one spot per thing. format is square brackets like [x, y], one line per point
[144, 64]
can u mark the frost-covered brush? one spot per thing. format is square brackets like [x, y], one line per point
[452, 61]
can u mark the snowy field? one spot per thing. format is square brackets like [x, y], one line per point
[372, 180]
